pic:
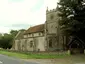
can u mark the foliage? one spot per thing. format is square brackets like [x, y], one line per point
[72, 14]
[6, 40]
[13, 32]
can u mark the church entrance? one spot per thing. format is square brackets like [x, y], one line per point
[76, 46]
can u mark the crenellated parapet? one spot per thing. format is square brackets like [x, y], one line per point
[51, 11]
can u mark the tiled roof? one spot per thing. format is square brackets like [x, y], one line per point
[34, 29]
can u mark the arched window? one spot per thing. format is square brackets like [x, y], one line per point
[31, 43]
[50, 43]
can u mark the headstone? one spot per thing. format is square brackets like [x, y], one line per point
[84, 51]
[68, 52]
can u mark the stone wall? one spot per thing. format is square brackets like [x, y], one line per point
[40, 44]
[33, 43]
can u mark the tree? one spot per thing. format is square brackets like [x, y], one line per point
[72, 14]
[22, 30]
[6, 40]
[13, 33]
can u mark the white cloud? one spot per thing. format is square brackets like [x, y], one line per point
[51, 4]
[20, 12]
[4, 29]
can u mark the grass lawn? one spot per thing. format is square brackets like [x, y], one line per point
[32, 55]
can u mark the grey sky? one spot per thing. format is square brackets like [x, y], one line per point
[18, 14]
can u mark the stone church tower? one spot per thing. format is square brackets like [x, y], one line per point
[55, 41]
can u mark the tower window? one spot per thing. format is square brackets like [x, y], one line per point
[51, 17]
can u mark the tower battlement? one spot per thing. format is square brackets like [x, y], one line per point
[51, 11]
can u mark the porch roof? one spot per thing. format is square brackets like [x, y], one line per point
[76, 38]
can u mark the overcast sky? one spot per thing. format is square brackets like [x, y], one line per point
[17, 14]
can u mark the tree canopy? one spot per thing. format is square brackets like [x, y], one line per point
[72, 16]
[6, 40]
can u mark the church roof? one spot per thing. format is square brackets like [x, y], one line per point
[34, 29]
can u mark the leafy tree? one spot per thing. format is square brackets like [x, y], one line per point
[72, 16]
[13, 33]
[22, 30]
[6, 40]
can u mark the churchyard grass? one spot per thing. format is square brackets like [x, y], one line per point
[33, 55]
